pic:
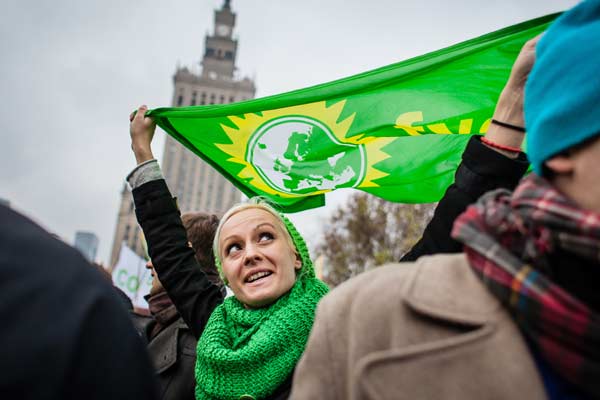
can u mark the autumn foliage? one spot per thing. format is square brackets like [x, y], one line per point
[367, 232]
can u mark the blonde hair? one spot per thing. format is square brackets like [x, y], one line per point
[253, 203]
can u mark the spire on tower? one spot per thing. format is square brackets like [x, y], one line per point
[227, 4]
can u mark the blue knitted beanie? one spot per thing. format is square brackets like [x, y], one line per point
[562, 94]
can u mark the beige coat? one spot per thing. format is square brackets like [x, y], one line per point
[423, 330]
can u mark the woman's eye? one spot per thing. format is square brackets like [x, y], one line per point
[232, 248]
[265, 236]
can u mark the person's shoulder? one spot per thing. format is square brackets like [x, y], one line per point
[17, 228]
[384, 287]
[54, 298]
[42, 262]
[369, 288]
[26, 239]
[441, 284]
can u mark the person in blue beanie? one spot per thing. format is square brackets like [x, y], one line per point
[517, 314]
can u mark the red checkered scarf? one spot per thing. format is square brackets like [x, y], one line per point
[509, 239]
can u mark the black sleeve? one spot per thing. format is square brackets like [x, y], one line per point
[481, 170]
[193, 294]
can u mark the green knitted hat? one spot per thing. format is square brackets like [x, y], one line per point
[306, 270]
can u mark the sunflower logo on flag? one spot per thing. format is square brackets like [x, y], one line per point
[303, 149]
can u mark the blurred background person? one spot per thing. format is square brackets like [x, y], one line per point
[65, 334]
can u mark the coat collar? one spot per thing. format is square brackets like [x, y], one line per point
[438, 290]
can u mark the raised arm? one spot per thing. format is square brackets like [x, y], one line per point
[193, 294]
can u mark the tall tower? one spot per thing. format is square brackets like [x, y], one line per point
[196, 184]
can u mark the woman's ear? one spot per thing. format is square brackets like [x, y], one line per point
[298, 262]
[561, 164]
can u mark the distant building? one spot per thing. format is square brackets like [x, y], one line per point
[197, 185]
[87, 244]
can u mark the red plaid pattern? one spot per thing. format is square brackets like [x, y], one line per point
[508, 240]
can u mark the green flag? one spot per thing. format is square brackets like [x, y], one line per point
[397, 132]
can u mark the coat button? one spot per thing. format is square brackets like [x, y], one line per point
[247, 397]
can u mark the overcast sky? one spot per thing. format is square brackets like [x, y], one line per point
[72, 71]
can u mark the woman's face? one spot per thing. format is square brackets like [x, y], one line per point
[257, 260]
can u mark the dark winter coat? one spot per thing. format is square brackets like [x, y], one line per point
[173, 355]
[65, 333]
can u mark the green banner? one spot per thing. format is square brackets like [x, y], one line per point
[397, 132]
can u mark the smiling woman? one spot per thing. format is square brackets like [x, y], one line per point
[267, 266]
[250, 343]
[257, 257]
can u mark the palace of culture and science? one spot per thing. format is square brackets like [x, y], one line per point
[196, 184]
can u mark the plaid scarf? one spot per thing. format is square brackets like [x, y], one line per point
[509, 241]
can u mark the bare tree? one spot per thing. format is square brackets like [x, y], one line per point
[368, 231]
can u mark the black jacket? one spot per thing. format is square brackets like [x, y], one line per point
[65, 333]
[481, 170]
[173, 355]
[193, 294]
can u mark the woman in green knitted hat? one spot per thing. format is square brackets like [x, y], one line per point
[253, 341]
[250, 343]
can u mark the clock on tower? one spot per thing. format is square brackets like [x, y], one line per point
[223, 30]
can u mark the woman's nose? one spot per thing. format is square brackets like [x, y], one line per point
[251, 254]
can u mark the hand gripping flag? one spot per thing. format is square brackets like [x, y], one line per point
[397, 132]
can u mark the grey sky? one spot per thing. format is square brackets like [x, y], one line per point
[72, 71]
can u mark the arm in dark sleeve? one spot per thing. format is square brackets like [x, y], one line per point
[194, 296]
[482, 169]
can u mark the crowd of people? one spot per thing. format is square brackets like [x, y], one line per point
[496, 301]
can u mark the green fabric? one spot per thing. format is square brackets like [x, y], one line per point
[253, 351]
[397, 132]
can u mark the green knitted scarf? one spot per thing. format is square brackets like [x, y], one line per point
[253, 351]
